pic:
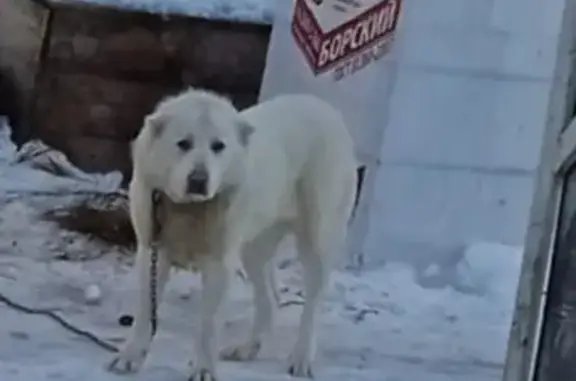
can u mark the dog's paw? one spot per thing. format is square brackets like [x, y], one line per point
[244, 352]
[300, 366]
[127, 362]
[202, 374]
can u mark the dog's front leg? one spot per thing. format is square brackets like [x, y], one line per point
[134, 350]
[216, 277]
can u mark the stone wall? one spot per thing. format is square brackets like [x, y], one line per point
[103, 69]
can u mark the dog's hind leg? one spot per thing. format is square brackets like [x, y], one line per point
[320, 237]
[316, 269]
[257, 263]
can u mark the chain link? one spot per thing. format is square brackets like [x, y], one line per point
[154, 264]
[153, 292]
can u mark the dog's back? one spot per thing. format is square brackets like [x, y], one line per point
[300, 125]
[299, 140]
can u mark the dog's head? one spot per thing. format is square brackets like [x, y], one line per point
[196, 146]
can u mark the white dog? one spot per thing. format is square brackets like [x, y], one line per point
[233, 185]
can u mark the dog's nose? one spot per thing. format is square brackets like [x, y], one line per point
[198, 182]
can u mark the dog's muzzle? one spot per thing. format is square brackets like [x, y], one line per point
[197, 182]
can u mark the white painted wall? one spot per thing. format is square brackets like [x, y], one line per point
[452, 122]
[467, 114]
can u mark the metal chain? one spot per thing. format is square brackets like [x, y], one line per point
[153, 293]
[154, 264]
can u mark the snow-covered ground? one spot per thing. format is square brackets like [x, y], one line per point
[378, 324]
[256, 11]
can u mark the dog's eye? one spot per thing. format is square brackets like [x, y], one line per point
[217, 146]
[184, 144]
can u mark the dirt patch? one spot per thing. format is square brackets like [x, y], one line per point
[101, 217]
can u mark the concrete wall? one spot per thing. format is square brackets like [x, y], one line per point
[466, 119]
[449, 123]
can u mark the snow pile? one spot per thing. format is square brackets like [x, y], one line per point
[257, 11]
[377, 324]
[477, 270]
[33, 169]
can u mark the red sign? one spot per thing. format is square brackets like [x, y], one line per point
[371, 29]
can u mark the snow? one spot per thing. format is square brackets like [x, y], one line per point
[256, 11]
[377, 324]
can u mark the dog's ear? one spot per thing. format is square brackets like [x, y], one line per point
[245, 131]
[156, 123]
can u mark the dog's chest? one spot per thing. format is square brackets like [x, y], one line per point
[189, 231]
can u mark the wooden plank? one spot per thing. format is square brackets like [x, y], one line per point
[142, 46]
[23, 25]
[103, 69]
[91, 105]
[96, 154]
[84, 115]
[226, 57]
[107, 42]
